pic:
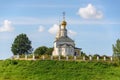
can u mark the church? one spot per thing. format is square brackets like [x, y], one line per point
[63, 44]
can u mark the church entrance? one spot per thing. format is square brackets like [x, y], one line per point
[75, 54]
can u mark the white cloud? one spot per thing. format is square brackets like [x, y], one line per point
[72, 33]
[6, 26]
[54, 29]
[90, 12]
[41, 29]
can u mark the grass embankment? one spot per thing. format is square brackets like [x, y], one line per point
[58, 70]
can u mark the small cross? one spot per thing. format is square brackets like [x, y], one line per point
[63, 15]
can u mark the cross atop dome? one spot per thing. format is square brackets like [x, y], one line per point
[64, 23]
[64, 16]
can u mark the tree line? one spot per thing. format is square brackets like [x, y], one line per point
[22, 45]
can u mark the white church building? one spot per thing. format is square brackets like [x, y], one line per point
[63, 44]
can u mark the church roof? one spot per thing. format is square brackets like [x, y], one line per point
[78, 48]
[70, 45]
[66, 45]
[64, 39]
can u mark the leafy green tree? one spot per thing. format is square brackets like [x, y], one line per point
[49, 51]
[83, 54]
[116, 48]
[95, 55]
[40, 50]
[21, 45]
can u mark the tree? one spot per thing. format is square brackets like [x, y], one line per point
[21, 45]
[49, 51]
[116, 49]
[95, 55]
[83, 54]
[40, 50]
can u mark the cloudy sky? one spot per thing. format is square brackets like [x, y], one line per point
[94, 25]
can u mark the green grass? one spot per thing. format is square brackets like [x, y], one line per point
[58, 70]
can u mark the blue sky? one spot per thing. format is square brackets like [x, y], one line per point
[94, 25]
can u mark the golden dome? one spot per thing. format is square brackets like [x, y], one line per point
[64, 23]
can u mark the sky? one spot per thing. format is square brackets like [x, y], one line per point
[94, 25]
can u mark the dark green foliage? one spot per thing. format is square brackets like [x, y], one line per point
[21, 45]
[49, 51]
[58, 70]
[40, 50]
[95, 55]
[104, 55]
[43, 50]
[116, 50]
[83, 54]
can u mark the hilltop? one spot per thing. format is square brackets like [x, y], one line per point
[58, 70]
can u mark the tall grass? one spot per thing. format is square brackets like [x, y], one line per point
[58, 70]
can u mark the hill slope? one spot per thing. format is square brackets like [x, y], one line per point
[58, 70]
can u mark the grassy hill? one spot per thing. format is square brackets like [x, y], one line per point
[58, 70]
